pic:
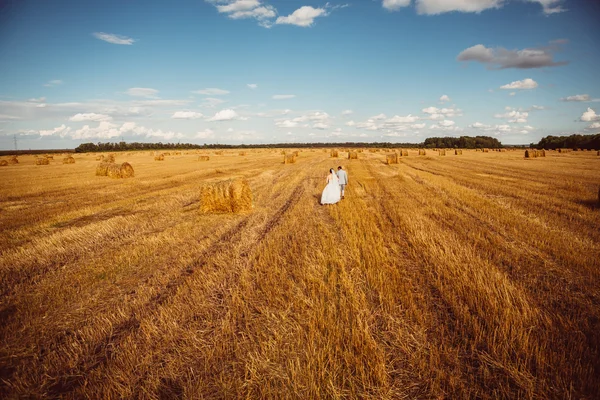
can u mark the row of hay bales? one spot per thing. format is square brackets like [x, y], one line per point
[113, 170]
[110, 158]
[533, 153]
[12, 160]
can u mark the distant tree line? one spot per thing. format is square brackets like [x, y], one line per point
[464, 142]
[569, 142]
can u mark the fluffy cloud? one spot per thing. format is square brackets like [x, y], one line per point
[186, 115]
[577, 97]
[54, 82]
[432, 7]
[283, 96]
[225, 115]
[304, 16]
[244, 9]
[444, 98]
[446, 123]
[501, 58]
[595, 125]
[347, 112]
[395, 5]
[550, 6]
[142, 92]
[211, 102]
[38, 100]
[350, 123]
[286, 124]
[104, 130]
[590, 115]
[436, 113]
[211, 91]
[378, 117]
[525, 84]
[479, 125]
[514, 116]
[320, 125]
[61, 130]
[114, 39]
[252, 85]
[396, 119]
[90, 117]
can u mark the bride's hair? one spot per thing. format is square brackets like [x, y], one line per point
[331, 170]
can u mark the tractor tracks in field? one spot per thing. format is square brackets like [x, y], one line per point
[104, 350]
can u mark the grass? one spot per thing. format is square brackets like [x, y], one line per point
[472, 276]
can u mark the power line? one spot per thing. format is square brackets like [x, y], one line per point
[15, 139]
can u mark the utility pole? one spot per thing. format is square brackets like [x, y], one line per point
[15, 139]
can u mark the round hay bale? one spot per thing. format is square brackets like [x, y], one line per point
[530, 153]
[296, 153]
[242, 153]
[42, 161]
[422, 152]
[404, 153]
[442, 152]
[289, 159]
[457, 152]
[49, 157]
[13, 160]
[203, 158]
[100, 158]
[541, 153]
[353, 155]
[3, 163]
[110, 158]
[486, 150]
[102, 169]
[391, 158]
[333, 154]
[159, 157]
[68, 160]
[229, 196]
[126, 170]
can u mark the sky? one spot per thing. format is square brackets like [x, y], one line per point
[296, 71]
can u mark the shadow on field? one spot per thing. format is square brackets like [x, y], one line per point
[592, 204]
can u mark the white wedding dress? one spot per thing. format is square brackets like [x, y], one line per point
[331, 193]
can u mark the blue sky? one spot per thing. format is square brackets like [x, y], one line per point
[259, 71]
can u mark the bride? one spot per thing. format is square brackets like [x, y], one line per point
[331, 193]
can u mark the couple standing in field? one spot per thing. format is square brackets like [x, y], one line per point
[336, 183]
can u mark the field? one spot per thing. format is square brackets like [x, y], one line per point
[473, 276]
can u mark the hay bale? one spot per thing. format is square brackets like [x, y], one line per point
[289, 159]
[3, 163]
[42, 161]
[100, 158]
[457, 152]
[598, 153]
[541, 153]
[219, 153]
[442, 152]
[229, 196]
[242, 153]
[296, 153]
[167, 153]
[49, 157]
[110, 158]
[486, 150]
[203, 158]
[391, 158]
[126, 170]
[353, 155]
[13, 160]
[333, 154]
[159, 157]
[114, 170]
[530, 153]
[102, 169]
[68, 160]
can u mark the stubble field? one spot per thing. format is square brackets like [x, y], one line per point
[441, 277]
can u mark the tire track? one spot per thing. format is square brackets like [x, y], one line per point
[104, 350]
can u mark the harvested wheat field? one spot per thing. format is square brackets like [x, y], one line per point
[471, 277]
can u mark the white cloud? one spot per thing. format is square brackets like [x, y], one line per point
[163, 102]
[211, 91]
[225, 115]
[104, 130]
[577, 97]
[538, 108]
[479, 125]
[142, 92]
[444, 98]
[347, 112]
[396, 119]
[418, 126]
[441, 113]
[114, 39]
[38, 100]
[514, 116]
[529, 127]
[54, 82]
[186, 115]
[512, 93]
[446, 123]
[205, 134]
[378, 117]
[286, 124]
[350, 123]
[283, 96]
[61, 131]
[252, 85]
[244, 9]
[395, 5]
[595, 125]
[501, 58]
[320, 125]
[550, 6]
[90, 117]
[590, 115]
[433, 7]
[304, 16]
[527, 83]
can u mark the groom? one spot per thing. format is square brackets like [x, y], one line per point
[343, 178]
